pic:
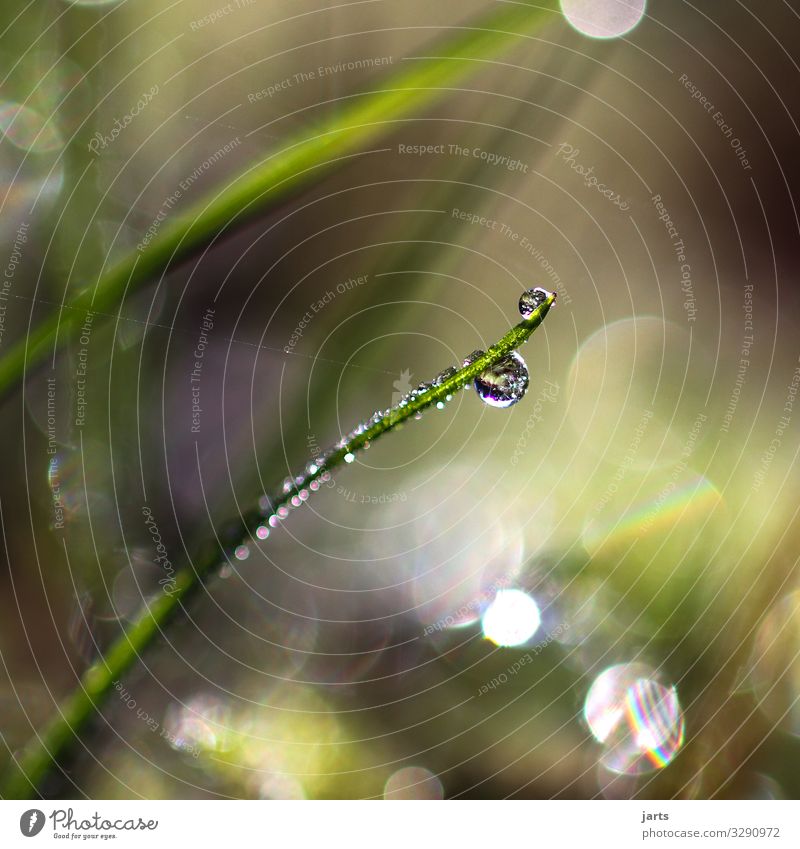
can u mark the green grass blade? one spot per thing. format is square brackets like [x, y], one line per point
[302, 160]
[34, 763]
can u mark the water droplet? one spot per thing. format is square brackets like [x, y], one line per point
[242, 552]
[445, 375]
[471, 358]
[440, 405]
[505, 383]
[349, 457]
[262, 531]
[531, 300]
[273, 521]
[288, 484]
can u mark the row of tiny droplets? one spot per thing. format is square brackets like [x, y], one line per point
[296, 490]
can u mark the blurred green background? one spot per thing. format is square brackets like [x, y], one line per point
[644, 493]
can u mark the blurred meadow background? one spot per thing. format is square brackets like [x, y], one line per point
[643, 495]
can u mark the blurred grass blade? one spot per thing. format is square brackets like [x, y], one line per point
[299, 162]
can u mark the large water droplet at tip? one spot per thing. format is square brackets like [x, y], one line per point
[531, 300]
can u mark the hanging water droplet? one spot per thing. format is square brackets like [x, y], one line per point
[349, 457]
[242, 552]
[440, 405]
[288, 483]
[470, 358]
[531, 300]
[262, 531]
[504, 383]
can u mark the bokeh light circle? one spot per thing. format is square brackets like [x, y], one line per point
[775, 664]
[631, 389]
[638, 720]
[511, 619]
[413, 782]
[603, 18]
[26, 129]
